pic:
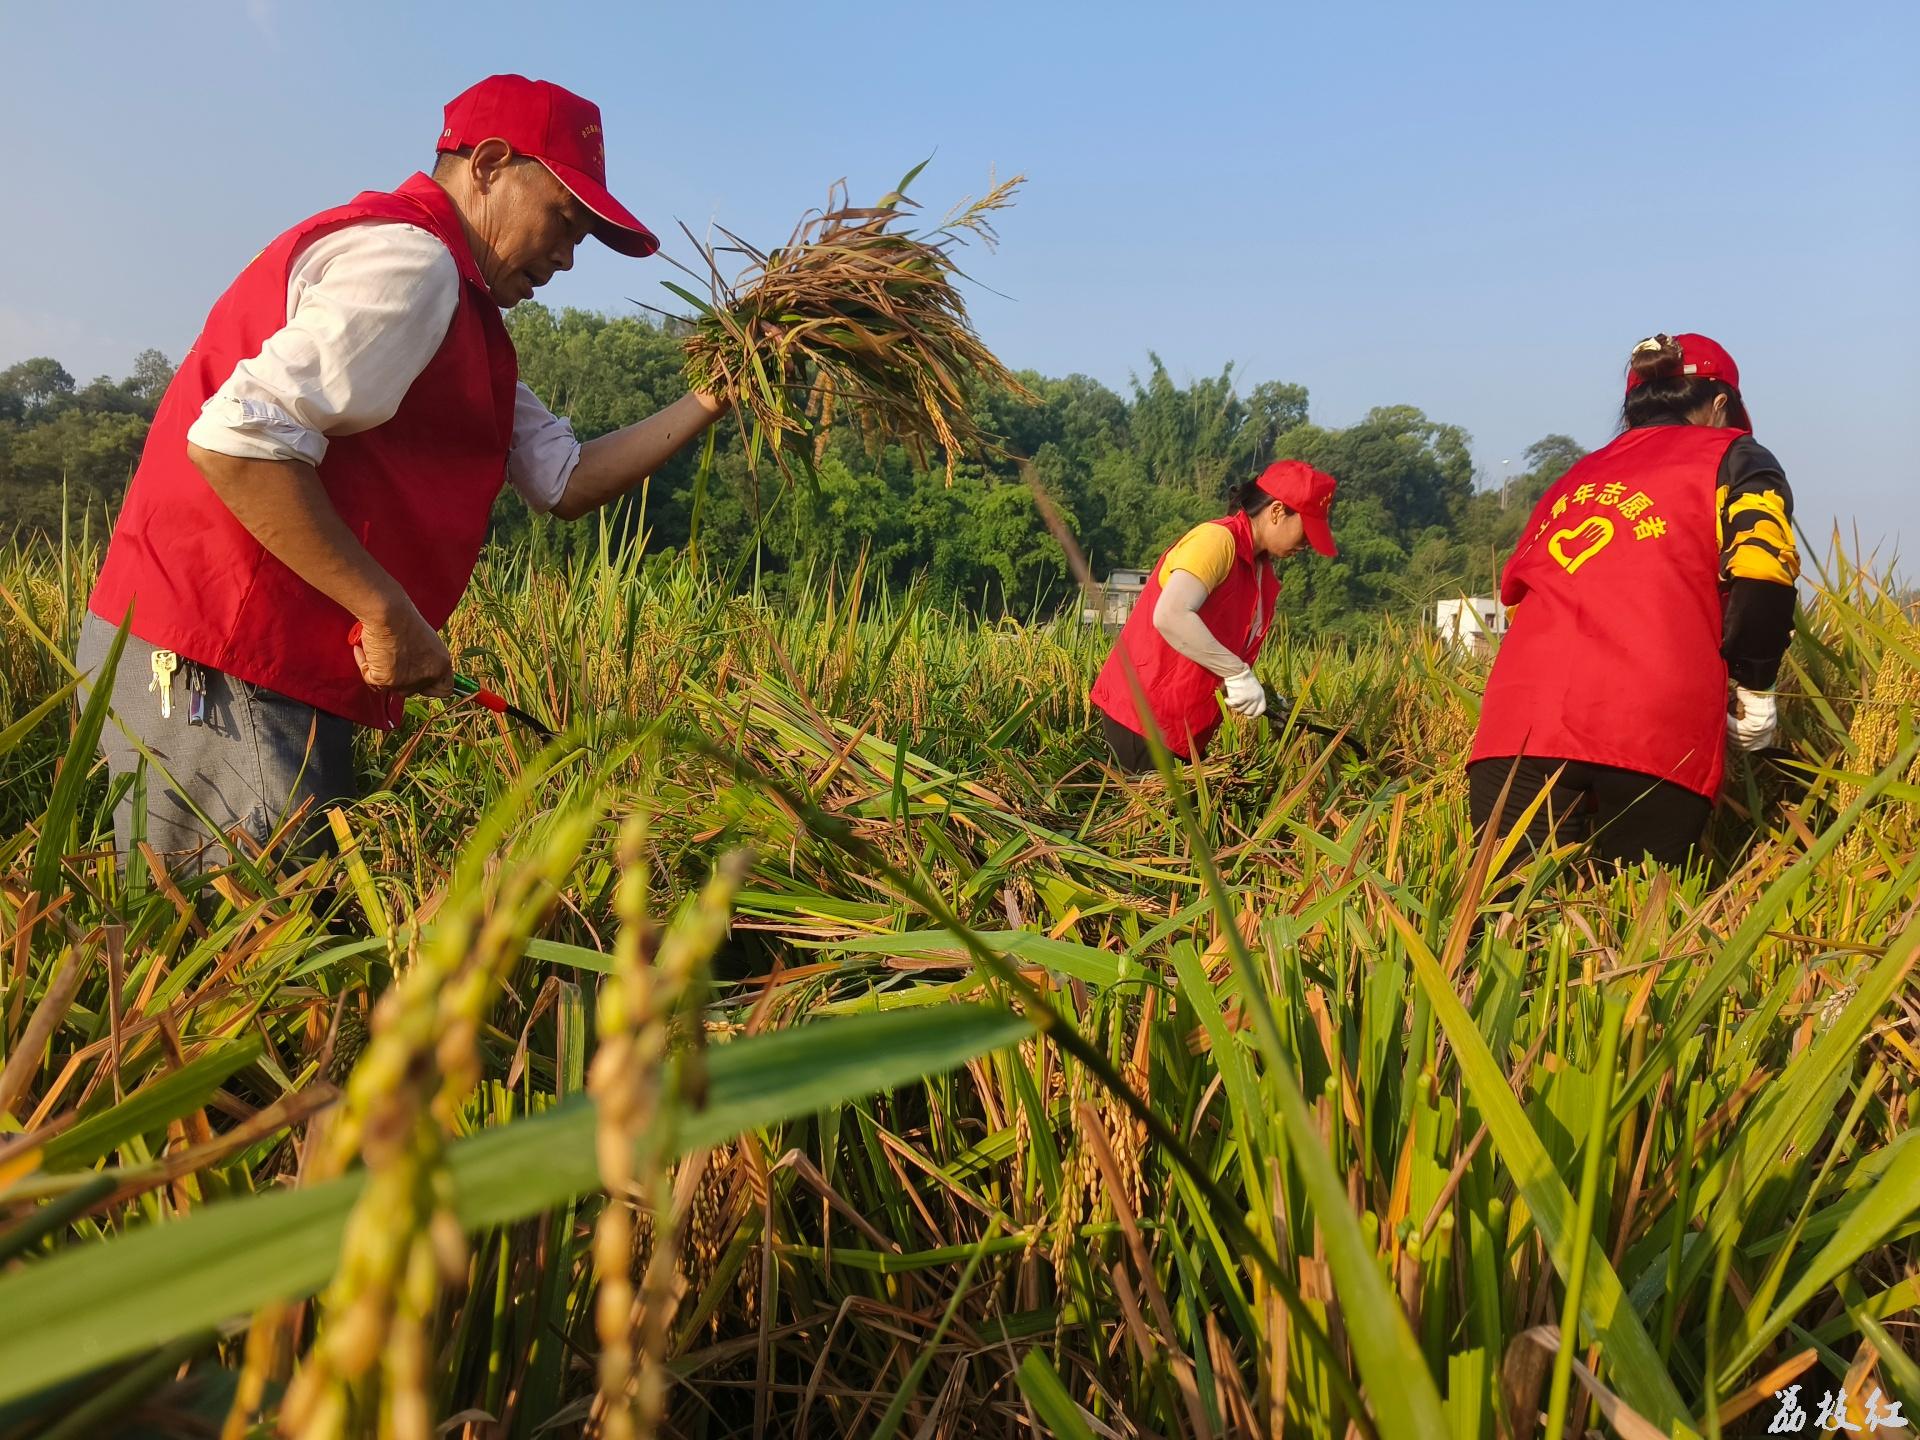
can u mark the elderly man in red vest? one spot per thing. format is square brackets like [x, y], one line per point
[326, 458]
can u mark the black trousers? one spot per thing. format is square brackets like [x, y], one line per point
[1129, 751]
[1626, 814]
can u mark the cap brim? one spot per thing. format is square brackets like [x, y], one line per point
[1319, 533]
[618, 229]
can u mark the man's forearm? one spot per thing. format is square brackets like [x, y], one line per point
[283, 505]
[614, 464]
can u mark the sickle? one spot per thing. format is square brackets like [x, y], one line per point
[474, 690]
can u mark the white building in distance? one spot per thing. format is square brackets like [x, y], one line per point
[1471, 622]
[1114, 600]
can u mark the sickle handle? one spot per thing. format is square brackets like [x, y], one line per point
[493, 702]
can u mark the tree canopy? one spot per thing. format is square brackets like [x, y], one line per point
[1129, 474]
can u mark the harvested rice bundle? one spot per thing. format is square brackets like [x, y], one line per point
[852, 317]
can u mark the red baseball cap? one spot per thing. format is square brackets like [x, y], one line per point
[1307, 492]
[560, 130]
[1698, 356]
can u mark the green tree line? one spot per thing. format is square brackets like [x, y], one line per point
[61, 441]
[1128, 472]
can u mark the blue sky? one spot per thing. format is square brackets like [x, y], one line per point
[1472, 208]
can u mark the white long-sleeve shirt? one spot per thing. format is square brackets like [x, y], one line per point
[368, 305]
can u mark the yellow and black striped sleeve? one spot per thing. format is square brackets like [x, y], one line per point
[1758, 562]
[1756, 516]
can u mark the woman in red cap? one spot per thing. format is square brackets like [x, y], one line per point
[1205, 614]
[1654, 572]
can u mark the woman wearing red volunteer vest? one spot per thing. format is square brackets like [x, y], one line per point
[1654, 572]
[1204, 615]
[327, 456]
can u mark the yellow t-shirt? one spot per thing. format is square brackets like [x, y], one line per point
[1205, 552]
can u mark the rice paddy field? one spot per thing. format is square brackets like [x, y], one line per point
[816, 1041]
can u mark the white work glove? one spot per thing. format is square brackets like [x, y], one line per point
[1246, 696]
[1754, 721]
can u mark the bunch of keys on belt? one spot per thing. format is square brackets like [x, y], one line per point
[165, 663]
[474, 690]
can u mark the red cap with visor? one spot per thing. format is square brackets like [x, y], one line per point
[560, 130]
[1698, 356]
[1308, 493]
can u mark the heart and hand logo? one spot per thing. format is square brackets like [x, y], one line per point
[1577, 544]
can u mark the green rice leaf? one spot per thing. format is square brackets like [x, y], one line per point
[101, 1303]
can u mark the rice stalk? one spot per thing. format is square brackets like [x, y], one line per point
[652, 993]
[1874, 735]
[370, 1364]
[623, 1082]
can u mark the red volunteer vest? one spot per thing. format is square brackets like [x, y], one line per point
[1180, 693]
[1614, 656]
[415, 491]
